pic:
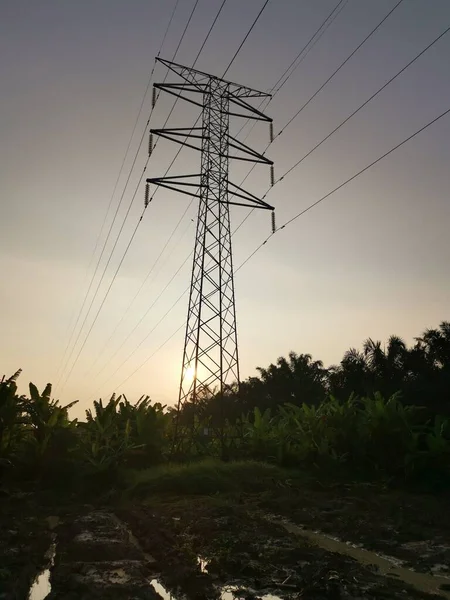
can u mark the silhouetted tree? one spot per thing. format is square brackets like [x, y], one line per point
[296, 380]
[421, 374]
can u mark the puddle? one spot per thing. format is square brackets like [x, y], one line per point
[228, 592]
[387, 565]
[234, 592]
[132, 538]
[203, 564]
[41, 586]
[161, 590]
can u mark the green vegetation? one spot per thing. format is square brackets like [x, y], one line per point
[381, 412]
[206, 477]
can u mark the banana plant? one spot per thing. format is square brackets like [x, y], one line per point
[13, 421]
[149, 428]
[438, 438]
[49, 423]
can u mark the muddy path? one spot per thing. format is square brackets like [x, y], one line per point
[25, 537]
[206, 548]
[287, 543]
[412, 527]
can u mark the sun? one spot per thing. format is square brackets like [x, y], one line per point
[189, 374]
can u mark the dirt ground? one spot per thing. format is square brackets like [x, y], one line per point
[224, 546]
[24, 539]
[412, 527]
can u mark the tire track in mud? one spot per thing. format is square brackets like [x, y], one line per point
[98, 557]
[386, 566]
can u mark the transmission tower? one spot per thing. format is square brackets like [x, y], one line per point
[210, 356]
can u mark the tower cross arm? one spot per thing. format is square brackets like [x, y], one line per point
[199, 78]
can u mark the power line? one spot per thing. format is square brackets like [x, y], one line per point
[108, 234]
[168, 26]
[316, 37]
[176, 52]
[298, 215]
[139, 291]
[348, 118]
[331, 17]
[186, 28]
[193, 65]
[421, 53]
[183, 143]
[341, 65]
[118, 236]
[104, 298]
[310, 44]
[146, 313]
[178, 47]
[209, 32]
[114, 192]
[347, 181]
[118, 267]
[148, 335]
[102, 276]
[127, 213]
[315, 94]
[246, 36]
[73, 319]
[153, 354]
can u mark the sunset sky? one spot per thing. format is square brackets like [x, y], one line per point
[371, 260]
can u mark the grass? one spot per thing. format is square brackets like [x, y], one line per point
[206, 477]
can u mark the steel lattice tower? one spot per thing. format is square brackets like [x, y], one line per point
[210, 356]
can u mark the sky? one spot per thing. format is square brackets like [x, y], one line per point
[370, 261]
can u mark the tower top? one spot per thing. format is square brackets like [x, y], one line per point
[199, 80]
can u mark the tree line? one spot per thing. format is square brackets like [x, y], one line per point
[419, 374]
[382, 409]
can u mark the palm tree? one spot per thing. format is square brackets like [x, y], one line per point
[432, 385]
[297, 379]
[437, 344]
[387, 365]
[351, 376]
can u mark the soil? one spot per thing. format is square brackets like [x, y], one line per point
[24, 539]
[224, 546]
[243, 549]
[412, 527]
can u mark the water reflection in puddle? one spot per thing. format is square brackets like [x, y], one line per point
[387, 565]
[229, 592]
[234, 592]
[41, 586]
[161, 590]
[203, 564]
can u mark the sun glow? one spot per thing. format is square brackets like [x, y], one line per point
[189, 374]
